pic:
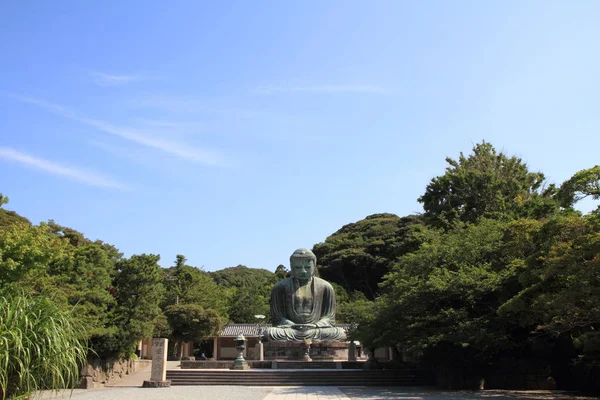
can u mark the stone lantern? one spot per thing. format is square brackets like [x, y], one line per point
[240, 345]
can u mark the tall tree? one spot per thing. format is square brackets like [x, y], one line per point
[192, 323]
[190, 285]
[138, 291]
[486, 184]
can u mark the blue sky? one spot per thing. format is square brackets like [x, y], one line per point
[236, 132]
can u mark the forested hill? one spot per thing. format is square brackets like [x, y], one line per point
[241, 276]
[8, 218]
[359, 254]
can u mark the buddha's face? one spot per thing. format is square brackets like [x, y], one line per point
[303, 269]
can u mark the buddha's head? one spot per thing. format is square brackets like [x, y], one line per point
[302, 264]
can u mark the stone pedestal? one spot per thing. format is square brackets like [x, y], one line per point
[295, 351]
[158, 376]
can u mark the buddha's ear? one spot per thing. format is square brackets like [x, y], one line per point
[316, 271]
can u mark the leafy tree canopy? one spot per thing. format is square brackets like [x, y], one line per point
[191, 322]
[28, 252]
[561, 279]
[190, 285]
[585, 183]
[486, 184]
[241, 275]
[446, 291]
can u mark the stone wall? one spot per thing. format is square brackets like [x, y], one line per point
[98, 373]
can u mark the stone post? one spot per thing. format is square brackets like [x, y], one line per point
[352, 351]
[158, 377]
[306, 350]
[261, 351]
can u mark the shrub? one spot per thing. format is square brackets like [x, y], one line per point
[39, 346]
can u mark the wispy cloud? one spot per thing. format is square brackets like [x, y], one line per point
[191, 104]
[320, 89]
[102, 79]
[78, 174]
[181, 150]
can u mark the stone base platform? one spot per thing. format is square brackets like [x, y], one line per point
[294, 351]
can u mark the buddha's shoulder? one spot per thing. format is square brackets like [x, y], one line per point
[286, 282]
[322, 282]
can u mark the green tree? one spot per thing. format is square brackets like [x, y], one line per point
[191, 285]
[86, 282]
[192, 323]
[281, 272]
[27, 252]
[446, 291]
[486, 184]
[355, 311]
[561, 293]
[241, 275]
[138, 290]
[247, 301]
[585, 183]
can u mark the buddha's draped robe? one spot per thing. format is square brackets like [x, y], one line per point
[284, 313]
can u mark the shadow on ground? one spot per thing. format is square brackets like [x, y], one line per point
[365, 393]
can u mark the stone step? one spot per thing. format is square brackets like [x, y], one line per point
[301, 377]
[306, 365]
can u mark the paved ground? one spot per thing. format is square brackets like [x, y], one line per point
[299, 393]
[130, 388]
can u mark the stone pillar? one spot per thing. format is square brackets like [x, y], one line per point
[158, 377]
[352, 351]
[261, 351]
[216, 348]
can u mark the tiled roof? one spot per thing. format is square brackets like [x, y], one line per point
[252, 330]
[245, 329]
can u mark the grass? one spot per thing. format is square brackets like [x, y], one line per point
[39, 347]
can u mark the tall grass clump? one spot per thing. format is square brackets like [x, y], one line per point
[39, 346]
